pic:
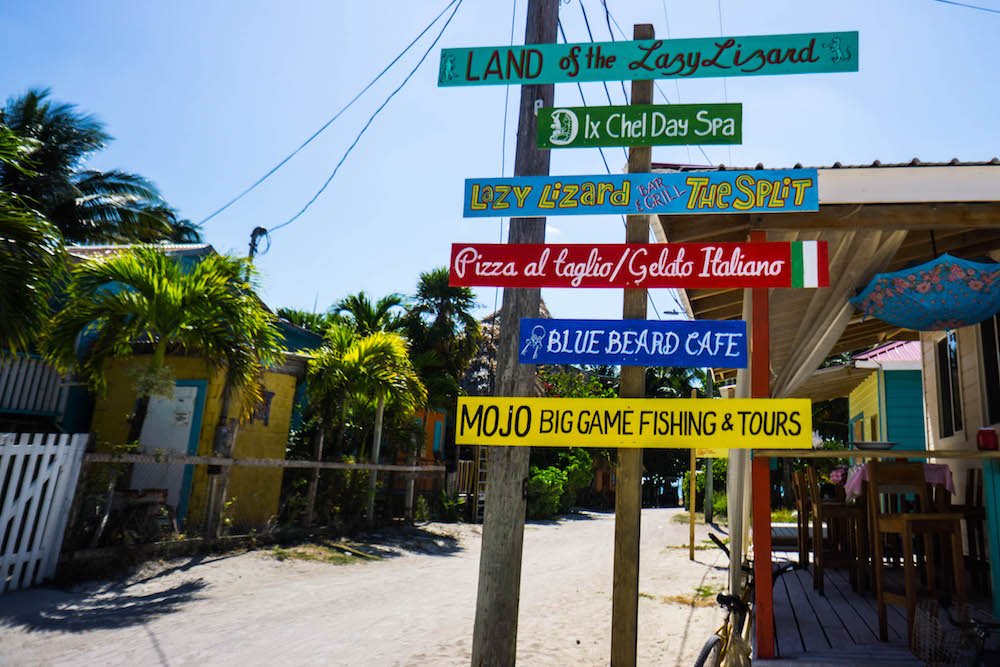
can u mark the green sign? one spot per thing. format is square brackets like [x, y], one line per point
[640, 125]
[752, 55]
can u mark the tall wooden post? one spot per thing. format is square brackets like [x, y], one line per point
[760, 470]
[709, 481]
[628, 491]
[494, 638]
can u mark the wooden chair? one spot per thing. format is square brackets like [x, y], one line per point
[974, 513]
[841, 545]
[803, 504]
[890, 486]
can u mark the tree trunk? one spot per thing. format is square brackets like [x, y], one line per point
[314, 481]
[376, 445]
[411, 459]
[138, 417]
[225, 439]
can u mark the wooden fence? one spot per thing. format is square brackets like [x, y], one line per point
[30, 386]
[38, 477]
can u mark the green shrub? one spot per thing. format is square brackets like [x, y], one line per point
[451, 506]
[421, 510]
[718, 483]
[579, 469]
[546, 487]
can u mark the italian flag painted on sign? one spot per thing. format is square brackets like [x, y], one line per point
[809, 264]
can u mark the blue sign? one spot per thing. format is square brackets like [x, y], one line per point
[671, 193]
[684, 343]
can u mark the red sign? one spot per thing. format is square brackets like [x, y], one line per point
[683, 265]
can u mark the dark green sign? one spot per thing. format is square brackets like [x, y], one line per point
[752, 55]
[640, 125]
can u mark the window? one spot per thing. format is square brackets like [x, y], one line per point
[873, 423]
[263, 411]
[949, 392]
[990, 330]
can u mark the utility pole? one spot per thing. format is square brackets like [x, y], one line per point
[628, 492]
[494, 638]
[709, 482]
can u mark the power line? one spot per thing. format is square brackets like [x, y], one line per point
[329, 122]
[586, 22]
[725, 79]
[370, 120]
[962, 4]
[656, 84]
[649, 297]
[677, 85]
[607, 20]
[503, 170]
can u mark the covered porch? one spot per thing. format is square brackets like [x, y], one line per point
[874, 218]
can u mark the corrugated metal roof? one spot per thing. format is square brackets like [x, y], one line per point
[915, 162]
[897, 351]
[100, 251]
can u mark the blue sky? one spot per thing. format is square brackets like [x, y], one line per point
[203, 97]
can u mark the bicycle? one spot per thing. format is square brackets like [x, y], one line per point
[730, 645]
[979, 635]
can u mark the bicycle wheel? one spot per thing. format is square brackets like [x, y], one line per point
[711, 653]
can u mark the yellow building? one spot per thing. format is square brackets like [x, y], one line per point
[185, 424]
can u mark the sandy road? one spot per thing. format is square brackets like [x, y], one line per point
[415, 608]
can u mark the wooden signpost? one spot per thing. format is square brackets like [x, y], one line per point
[644, 265]
[668, 193]
[640, 125]
[738, 423]
[681, 343]
[631, 421]
[750, 55]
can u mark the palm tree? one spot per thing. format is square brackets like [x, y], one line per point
[142, 296]
[354, 369]
[366, 317]
[31, 257]
[387, 375]
[87, 206]
[439, 322]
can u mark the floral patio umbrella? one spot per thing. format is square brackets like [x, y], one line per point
[944, 293]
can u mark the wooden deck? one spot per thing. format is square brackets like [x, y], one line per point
[836, 629]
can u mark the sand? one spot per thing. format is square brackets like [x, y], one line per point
[415, 607]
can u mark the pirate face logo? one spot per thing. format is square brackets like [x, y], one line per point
[534, 342]
[565, 126]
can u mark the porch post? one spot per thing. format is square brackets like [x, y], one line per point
[991, 496]
[760, 485]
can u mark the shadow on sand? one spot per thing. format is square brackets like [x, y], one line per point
[96, 608]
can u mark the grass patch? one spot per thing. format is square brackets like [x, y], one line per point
[647, 596]
[699, 517]
[707, 592]
[689, 601]
[320, 553]
[783, 515]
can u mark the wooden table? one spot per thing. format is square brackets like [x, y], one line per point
[991, 485]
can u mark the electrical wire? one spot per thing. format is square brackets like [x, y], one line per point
[962, 4]
[611, 19]
[503, 170]
[649, 297]
[725, 79]
[607, 93]
[677, 85]
[370, 120]
[327, 124]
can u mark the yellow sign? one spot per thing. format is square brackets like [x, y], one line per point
[759, 423]
[711, 453]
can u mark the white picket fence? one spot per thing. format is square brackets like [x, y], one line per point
[38, 477]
